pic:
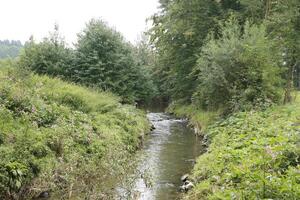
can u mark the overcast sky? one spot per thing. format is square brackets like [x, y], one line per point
[21, 18]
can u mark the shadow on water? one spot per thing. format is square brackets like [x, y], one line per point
[169, 152]
[158, 106]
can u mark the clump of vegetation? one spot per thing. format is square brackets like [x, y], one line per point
[252, 155]
[101, 59]
[61, 138]
[10, 49]
[207, 59]
[51, 56]
[199, 118]
[237, 71]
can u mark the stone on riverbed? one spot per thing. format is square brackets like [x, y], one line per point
[184, 178]
[152, 128]
[186, 186]
[44, 195]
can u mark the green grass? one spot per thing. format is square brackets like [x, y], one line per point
[72, 141]
[252, 155]
[198, 118]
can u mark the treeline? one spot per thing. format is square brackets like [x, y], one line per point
[10, 48]
[101, 58]
[218, 55]
[227, 54]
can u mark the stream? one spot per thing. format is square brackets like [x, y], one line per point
[169, 152]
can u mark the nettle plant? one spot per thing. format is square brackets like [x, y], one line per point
[252, 155]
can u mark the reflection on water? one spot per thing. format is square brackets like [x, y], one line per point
[168, 153]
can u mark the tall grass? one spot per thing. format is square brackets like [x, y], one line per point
[61, 138]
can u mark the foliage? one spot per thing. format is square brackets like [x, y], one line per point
[244, 52]
[284, 26]
[51, 56]
[253, 155]
[62, 138]
[238, 70]
[145, 60]
[198, 118]
[101, 59]
[105, 60]
[234, 56]
[10, 49]
[178, 32]
[181, 29]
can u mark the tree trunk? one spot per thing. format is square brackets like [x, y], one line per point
[289, 87]
[268, 8]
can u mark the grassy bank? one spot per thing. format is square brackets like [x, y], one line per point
[252, 155]
[199, 119]
[62, 139]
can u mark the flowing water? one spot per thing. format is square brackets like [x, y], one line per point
[169, 152]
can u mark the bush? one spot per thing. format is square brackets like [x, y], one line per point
[253, 155]
[238, 70]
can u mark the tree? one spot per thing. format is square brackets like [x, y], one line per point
[237, 70]
[178, 32]
[105, 60]
[284, 27]
[101, 59]
[51, 56]
[181, 28]
[10, 48]
[145, 60]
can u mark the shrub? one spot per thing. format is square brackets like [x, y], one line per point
[253, 155]
[238, 70]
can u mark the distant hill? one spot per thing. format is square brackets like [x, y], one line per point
[10, 48]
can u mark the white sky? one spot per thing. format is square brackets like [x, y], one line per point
[21, 18]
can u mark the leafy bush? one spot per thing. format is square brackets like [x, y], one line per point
[199, 118]
[238, 70]
[253, 155]
[51, 56]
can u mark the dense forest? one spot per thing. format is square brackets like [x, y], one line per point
[227, 54]
[68, 116]
[10, 49]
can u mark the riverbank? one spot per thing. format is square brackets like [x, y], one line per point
[61, 140]
[198, 119]
[252, 155]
